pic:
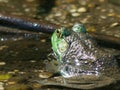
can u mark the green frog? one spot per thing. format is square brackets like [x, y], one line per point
[82, 63]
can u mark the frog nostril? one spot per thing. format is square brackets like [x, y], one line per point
[57, 31]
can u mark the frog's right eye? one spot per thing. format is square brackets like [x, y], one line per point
[66, 32]
[79, 28]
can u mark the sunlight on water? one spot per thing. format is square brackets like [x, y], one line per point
[18, 37]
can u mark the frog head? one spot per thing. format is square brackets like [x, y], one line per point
[59, 44]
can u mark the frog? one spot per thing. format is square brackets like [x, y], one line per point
[82, 63]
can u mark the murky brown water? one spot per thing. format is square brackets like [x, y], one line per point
[23, 55]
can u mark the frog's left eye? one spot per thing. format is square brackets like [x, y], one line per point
[62, 32]
[57, 31]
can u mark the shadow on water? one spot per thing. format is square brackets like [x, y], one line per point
[110, 87]
[19, 53]
[108, 44]
[45, 7]
[30, 48]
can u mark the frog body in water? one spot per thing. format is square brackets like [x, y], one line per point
[82, 63]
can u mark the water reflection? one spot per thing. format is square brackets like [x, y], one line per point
[18, 36]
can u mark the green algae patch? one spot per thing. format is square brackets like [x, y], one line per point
[5, 76]
[18, 87]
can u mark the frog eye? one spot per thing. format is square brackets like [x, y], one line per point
[62, 32]
[66, 32]
[79, 28]
[57, 31]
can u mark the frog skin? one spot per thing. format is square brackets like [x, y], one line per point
[82, 63]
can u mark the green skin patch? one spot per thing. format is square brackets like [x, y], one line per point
[55, 42]
[59, 45]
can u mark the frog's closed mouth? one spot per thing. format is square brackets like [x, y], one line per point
[82, 63]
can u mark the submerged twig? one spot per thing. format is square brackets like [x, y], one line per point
[107, 40]
[28, 24]
[33, 25]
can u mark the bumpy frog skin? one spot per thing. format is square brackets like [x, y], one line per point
[82, 63]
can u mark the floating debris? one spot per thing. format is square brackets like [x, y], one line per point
[114, 24]
[2, 63]
[117, 35]
[75, 14]
[1, 86]
[3, 47]
[103, 17]
[45, 74]
[73, 10]
[82, 9]
[43, 40]
[11, 72]
[111, 14]
[11, 82]
[32, 61]
[16, 71]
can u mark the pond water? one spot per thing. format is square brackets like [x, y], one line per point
[23, 54]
